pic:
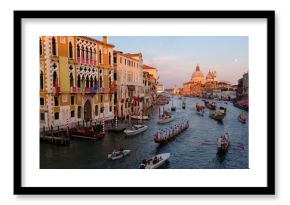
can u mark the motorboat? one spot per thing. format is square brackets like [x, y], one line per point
[135, 129]
[140, 117]
[218, 115]
[155, 162]
[242, 118]
[173, 108]
[183, 105]
[199, 109]
[165, 119]
[211, 106]
[223, 143]
[118, 154]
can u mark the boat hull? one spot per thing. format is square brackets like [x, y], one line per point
[119, 156]
[135, 117]
[135, 132]
[165, 157]
[163, 121]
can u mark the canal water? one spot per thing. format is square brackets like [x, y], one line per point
[195, 148]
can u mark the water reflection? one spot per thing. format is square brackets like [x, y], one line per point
[195, 148]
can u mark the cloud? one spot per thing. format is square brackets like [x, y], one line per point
[164, 58]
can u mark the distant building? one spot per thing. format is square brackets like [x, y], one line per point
[160, 88]
[175, 90]
[243, 87]
[198, 83]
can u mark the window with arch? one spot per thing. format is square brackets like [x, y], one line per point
[78, 51]
[83, 53]
[79, 81]
[87, 82]
[100, 56]
[41, 80]
[95, 80]
[53, 46]
[110, 58]
[87, 53]
[40, 46]
[94, 54]
[83, 81]
[70, 50]
[54, 76]
[71, 80]
[91, 54]
[91, 82]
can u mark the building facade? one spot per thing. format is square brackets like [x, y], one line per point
[76, 80]
[129, 92]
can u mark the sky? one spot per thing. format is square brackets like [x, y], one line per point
[176, 57]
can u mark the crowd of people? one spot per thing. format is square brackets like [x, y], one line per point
[165, 134]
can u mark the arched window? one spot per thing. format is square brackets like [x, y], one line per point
[83, 53]
[70, 50]
[91, 54]
[53, 46]
[95, 80]
[71, 80]
[79, 81]
[100, 56]
[54, 79]
[40, 46]
[87, 53]
[41, 80]
[101, 82]
[87, 82]
[83, 81]
[78, 51]
[91, 82]
[110, 58]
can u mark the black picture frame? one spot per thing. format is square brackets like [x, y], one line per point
[268, 190]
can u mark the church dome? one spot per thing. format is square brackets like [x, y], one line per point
[197, 75]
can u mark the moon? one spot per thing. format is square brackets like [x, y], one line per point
[236, 60]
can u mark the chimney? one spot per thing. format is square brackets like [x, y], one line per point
[105, 38]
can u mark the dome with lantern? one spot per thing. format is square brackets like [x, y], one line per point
[197, 75]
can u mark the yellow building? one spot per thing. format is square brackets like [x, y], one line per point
[76, 80]
[151, 70]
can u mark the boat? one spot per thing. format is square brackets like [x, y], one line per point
[223, 143]
[199, 109]
[167, 134]
[154, 162]
[183, 105]
[173, 108]
[242, 118]
[135, 129]
[211, 106]
[95, 132]
[140, 117]
[218, 115]
[165, 117]
[118, 154]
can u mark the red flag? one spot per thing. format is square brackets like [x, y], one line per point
[57, 88]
